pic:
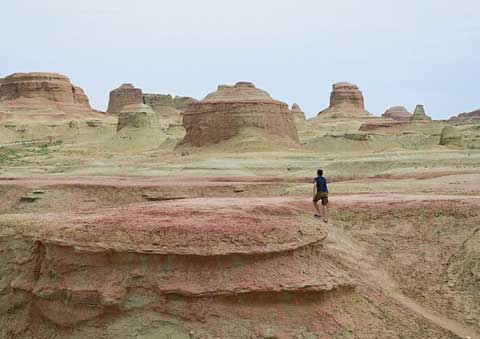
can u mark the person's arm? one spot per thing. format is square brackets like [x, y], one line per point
[314, 188]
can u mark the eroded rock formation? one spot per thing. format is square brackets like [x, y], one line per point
[419, 114]
[466, 118]
[233, 110]
[451, 137]
[124, 95]
[137, 116]
[167, 106]
[298, 114]
[49, 92]
[397, 113]
[346, 100]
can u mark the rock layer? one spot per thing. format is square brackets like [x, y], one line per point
[50, 92]
[419, 114]
[397, 113]
[137, 116]
[167, 106]
[346, 100]
[232, 110]
[122, 96]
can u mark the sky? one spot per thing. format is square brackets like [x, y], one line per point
[398, 52]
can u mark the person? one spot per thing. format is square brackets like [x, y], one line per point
[320, 192]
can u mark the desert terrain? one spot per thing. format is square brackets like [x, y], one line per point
[174, 217]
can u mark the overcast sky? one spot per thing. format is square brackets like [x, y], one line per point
[398, 52]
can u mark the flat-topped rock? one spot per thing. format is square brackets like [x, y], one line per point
[122, 96]
[232, 110]
[213, 226]
[346, 100]
[399, 113]
[49, 92]
[419, 114]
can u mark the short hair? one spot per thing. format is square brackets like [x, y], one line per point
[320, 172]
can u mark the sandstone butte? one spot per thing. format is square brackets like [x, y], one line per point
[346, 100]
[168, 106]
[419, 114]
[137, 116]
[397, 113]
[298, 114]
[233, 110]
[124, 95]
[39, 94]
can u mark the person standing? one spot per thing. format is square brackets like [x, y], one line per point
[320, 193]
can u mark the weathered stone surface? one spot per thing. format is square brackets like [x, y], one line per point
[346, 100]
[297, 112]
[419, 114]
[42, 91]
[167, 106]
[124, 95]
[466, 118]
[451, 136]
[223, 114]
[397, 113]
[137, 116]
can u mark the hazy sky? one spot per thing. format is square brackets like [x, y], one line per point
[398, 52]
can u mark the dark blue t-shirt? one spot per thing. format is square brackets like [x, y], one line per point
[321, 184]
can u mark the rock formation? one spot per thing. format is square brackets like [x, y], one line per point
[168, 107]
[233, 110]
[298, 114]
[397, 113]
[466, 118]
[49, 92]
[137, 116]
[419, 114]
[346, 100]
[451, 137]
[124, 95]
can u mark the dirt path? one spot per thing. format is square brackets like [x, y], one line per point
[367, 267]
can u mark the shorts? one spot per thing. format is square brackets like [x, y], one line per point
[321, 196]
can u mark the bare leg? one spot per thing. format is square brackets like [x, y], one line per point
[315, 204]
[325, 212]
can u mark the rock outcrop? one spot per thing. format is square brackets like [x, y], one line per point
[137, 116]
[419, 114]
[346, 100]
[451, 137]
[466, 118]
[122, 96]
[167, 106]
[298, 114]
[399, 113]
[235, 110]
[46, 92]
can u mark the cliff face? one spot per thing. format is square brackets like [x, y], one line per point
[224, 114]
[419, 114]
[42, 91]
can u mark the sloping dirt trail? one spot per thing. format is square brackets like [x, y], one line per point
[369, 270]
